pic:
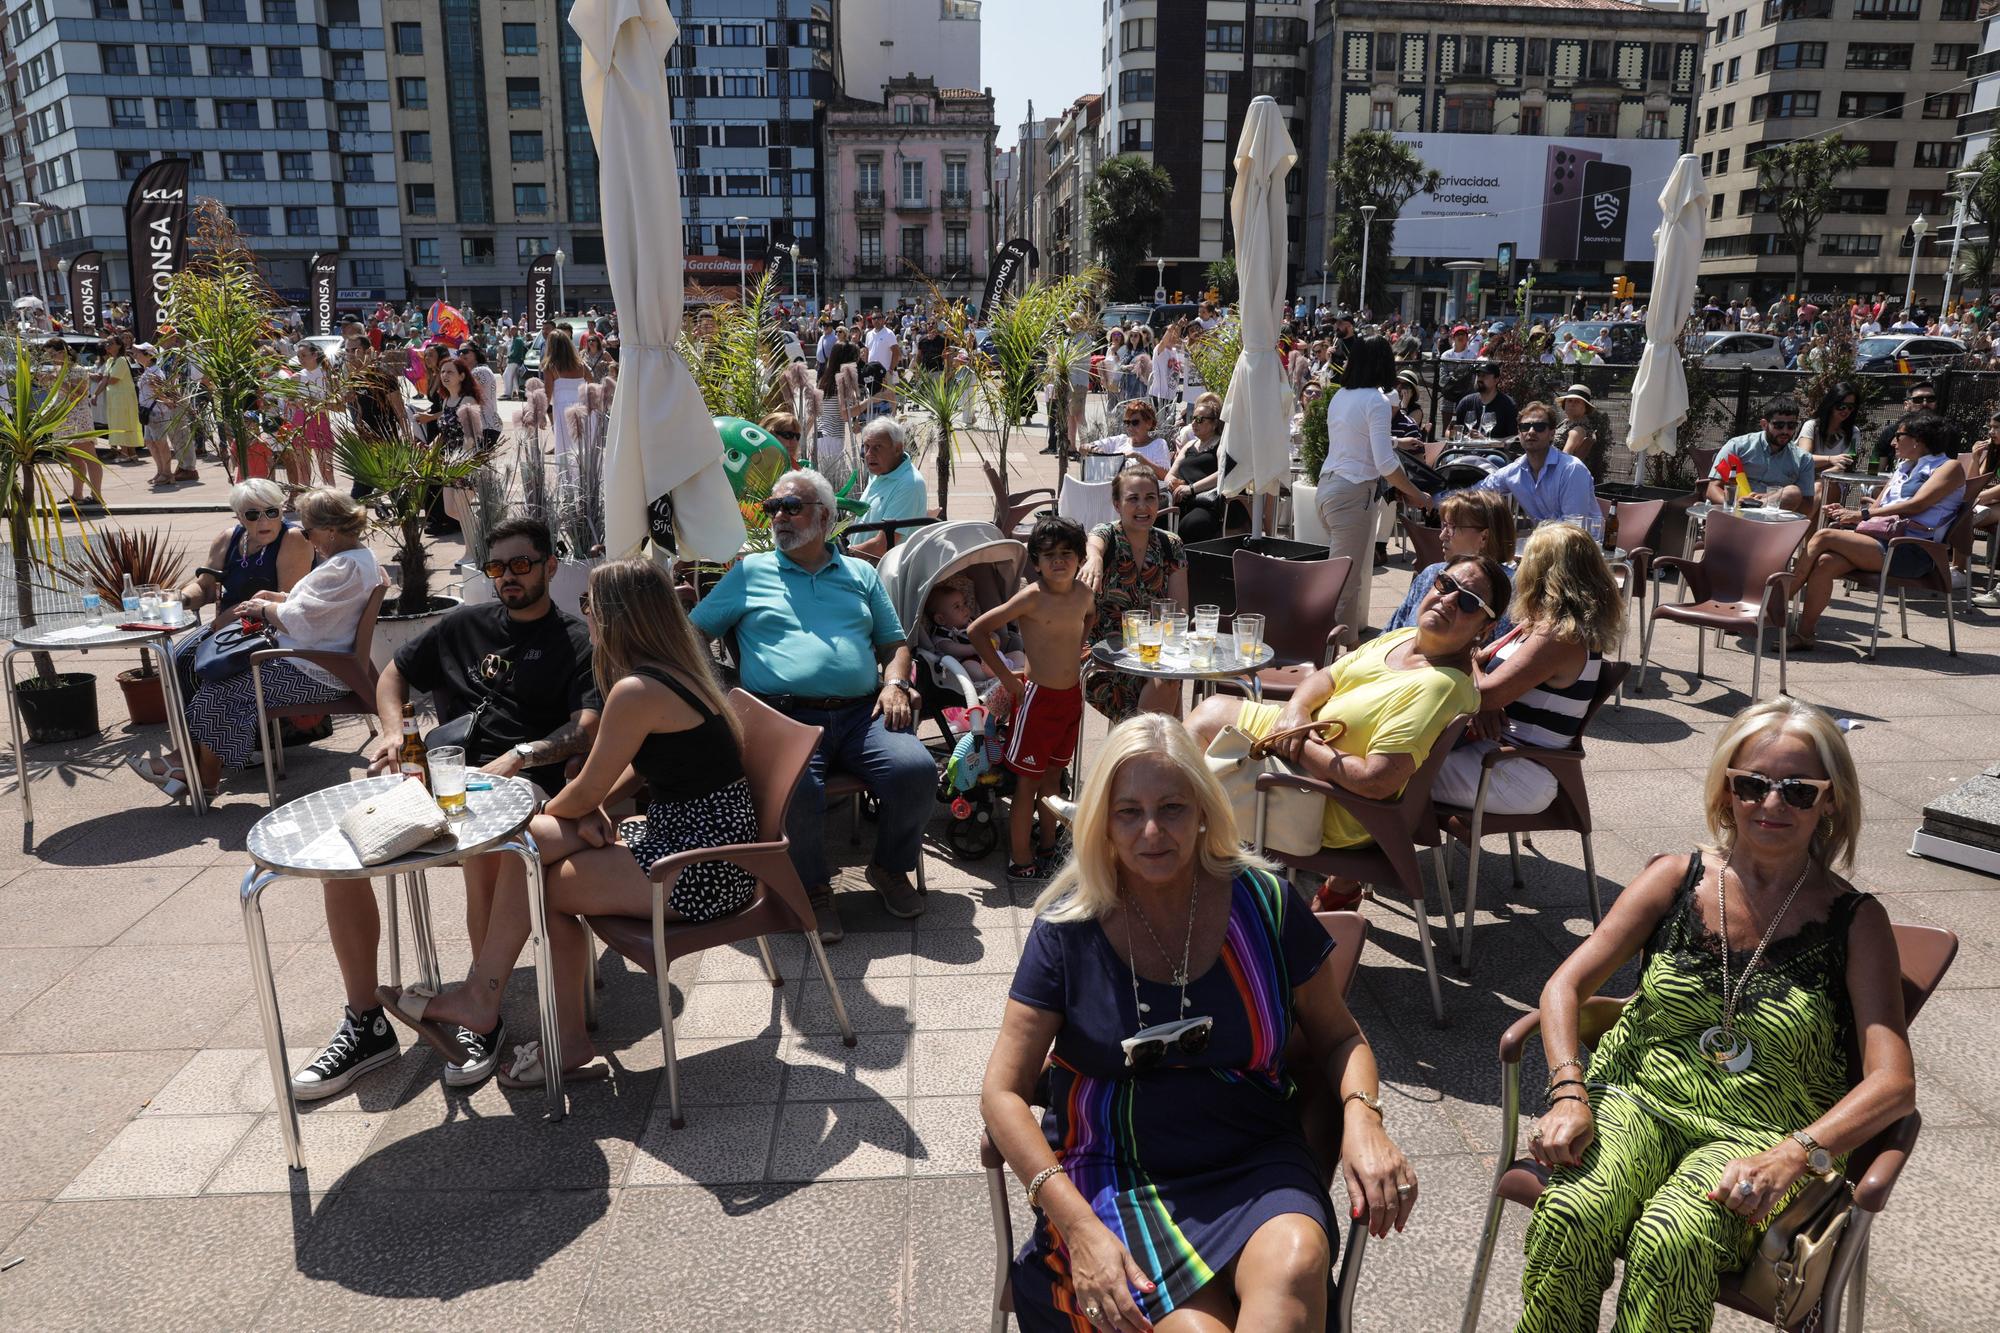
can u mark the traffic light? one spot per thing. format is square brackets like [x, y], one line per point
[1621, 288]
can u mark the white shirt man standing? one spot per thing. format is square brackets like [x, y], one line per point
[883, 349]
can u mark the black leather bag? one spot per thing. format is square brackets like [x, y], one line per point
[224, 650]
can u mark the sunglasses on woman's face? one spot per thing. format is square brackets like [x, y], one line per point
[583, 602]
[788, 504]
[1464, 598]
[1202, 416]
[1799, 793]
[520, 564]
[252, 515]
[791, 435]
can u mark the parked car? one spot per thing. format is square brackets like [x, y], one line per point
[1902, 353]
[1114, 316]
[1159, 316]
[1731, 351]
[1619, 341]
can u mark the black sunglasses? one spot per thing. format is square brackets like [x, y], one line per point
[791, 435]
[1143, 1050]
[520, 564]
[1465, 598]
[1925, 401]
[1799, 793]
[252, 515]
[788, 504]
[1538, 426]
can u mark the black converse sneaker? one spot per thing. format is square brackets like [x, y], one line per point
[482, 1056]
[363, 1041]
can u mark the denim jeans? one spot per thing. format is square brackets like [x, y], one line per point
[899, 772]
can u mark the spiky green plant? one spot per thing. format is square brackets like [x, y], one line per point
[406, 475]
[738, 360]
[1213, 353]
[41, 460]
[1022, 330]
[147, 558]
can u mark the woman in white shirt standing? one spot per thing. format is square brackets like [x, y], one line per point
[322, 612]
[1169, 369]
[1360, 451]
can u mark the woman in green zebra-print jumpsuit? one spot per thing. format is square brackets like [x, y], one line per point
[1660, 1153]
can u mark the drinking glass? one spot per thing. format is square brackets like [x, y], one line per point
[448, 778]
[1206, 618]
[149, 603]
[1162, 609]
[1201, 652]
[1177, 632]
[1150, 636]
[1249, 631]
[1130, 623]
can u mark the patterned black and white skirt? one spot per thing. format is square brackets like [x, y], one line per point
[713, 889]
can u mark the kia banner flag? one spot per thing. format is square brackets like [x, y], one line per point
[86, 292]
[1006, 263]
[156, 223]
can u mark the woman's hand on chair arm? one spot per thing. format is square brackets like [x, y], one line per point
[1379, 1178]
[1101, 1268]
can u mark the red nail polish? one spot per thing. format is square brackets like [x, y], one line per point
[1357, 1210]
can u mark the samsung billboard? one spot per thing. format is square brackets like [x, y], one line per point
[1561, 201]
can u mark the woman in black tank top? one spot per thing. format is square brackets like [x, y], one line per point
[665, 726]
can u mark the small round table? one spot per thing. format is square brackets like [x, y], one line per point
[1697, 515]
[72, 634]
[302, 840]
[1178, 666]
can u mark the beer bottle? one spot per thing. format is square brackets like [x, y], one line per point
[413, 762]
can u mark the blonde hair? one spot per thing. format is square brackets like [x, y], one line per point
[635, 618]
[1087, 888]
[1564, 588]
[1839, 831]
[333, 511]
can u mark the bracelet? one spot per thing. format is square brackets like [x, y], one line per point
[1372, 1103]
[1575, 1063]
[1564, 1083]
[1041, 1178]
[1566, 1097]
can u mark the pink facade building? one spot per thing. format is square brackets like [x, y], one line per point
[909, 194]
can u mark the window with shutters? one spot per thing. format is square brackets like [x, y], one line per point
[1415, 52]
[1684, 61]
[1357, 49]
[1447, 57]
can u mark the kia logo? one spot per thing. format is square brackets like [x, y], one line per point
[163, 195]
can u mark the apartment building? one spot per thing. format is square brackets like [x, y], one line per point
[1893, 77]
[280, 107]
[1072, 156]
[1179, 76]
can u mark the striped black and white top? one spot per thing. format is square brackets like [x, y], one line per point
[1550, 716]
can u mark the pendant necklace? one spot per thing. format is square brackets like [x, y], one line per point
[1723, 1043]
[1180, 976]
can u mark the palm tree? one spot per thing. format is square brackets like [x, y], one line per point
[1023, 330]
[1798, 179]
[1374, 168]
[41, 460]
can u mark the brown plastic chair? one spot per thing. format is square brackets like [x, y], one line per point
[1426, 542]
[1398, 826]
[1737, 583]
[1014, 511]
[1298, 600]
[1319, 1114]
[352, 668]
[1568, 813]
[1633, 526]
[775, 752]
[1956, 545]
[1926, 953]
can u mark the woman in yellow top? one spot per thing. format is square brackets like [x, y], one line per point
[121, 399]
[1396, 693]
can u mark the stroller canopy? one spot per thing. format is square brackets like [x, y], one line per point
[931, 554]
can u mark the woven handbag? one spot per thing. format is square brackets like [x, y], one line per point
[1293, 819]
[395, 823]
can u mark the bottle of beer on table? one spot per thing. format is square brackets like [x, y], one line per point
[412, 761]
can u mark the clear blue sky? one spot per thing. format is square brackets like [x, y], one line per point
[1044, 50]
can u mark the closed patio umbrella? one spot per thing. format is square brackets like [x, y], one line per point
[1257, 411]
[1659, 393]
[662, 441]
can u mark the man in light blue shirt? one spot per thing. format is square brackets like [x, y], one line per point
[812, 626]
[1780, 472]
[895, 487]
[1545, 483]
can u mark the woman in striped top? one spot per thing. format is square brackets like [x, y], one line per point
[1536, 682]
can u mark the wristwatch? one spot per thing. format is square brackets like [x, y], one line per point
[1372, 1103]
[526, 752]
[906, 687]
[1818, 1160]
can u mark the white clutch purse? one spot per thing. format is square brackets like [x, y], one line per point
[394, 823]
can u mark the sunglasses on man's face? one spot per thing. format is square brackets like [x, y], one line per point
[1464, 598]
[790, 505]
[1799, 793]
[1537, 426]
[1925, 401]
[520, 564]
[252, 515]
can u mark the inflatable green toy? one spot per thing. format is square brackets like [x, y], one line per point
[755, 459]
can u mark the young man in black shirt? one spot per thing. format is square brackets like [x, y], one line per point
[1486, 412]
[511, 679]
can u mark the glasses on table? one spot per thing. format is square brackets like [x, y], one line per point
[1248, 630]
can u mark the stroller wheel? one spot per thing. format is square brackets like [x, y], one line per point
[972, 839]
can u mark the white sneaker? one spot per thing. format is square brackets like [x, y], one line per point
[1961, 581]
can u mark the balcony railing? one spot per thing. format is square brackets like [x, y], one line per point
[918, 260]
[869, 201]
[957, 201]
[868, 268]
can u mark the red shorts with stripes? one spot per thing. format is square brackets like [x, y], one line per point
[1044, 730]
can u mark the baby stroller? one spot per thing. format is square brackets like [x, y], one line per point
[970, 777]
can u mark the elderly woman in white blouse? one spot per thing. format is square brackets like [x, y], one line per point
[321, 612]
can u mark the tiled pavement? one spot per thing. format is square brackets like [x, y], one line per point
[141, 1178]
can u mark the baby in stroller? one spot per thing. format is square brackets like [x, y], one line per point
[952, 607]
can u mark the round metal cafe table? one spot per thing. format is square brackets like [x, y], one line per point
[302, 840]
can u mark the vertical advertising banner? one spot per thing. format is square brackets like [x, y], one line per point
[156, 223]
[325, 272]
[1006, 263]
[541, 278]
[86, 292]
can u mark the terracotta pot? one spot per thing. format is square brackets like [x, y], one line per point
[145, 697]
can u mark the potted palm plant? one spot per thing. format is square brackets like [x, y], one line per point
[102, 567]
[41, 459]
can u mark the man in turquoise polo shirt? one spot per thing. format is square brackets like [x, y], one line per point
[812, 626]
[1781, 473]
[895, 487]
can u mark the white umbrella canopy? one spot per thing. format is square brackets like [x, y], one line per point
[1659, 393]
[662, 440]
[1257, 411]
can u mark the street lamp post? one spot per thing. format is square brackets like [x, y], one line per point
[1160, 281]
[27, 214]
[742, 223]
[1367, 230]
[562, 297]
[444, 286]
[1965, 181]
[1917, 230]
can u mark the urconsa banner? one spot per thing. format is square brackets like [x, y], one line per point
[156, 223]
[1558, 200]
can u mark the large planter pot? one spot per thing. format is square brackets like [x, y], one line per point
[145, 696]
[393, 629]
[64, 709]
[1306, 526]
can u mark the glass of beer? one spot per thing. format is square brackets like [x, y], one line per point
[1249, 631]
[448, 778]
[1150, 637]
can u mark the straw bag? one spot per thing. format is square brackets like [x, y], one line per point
[1788, 1271]
[394, 823]
[1293, 818]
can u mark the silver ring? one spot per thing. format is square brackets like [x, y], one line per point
[1402, 1190]
[1745, 1188]
[1091, 1312]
